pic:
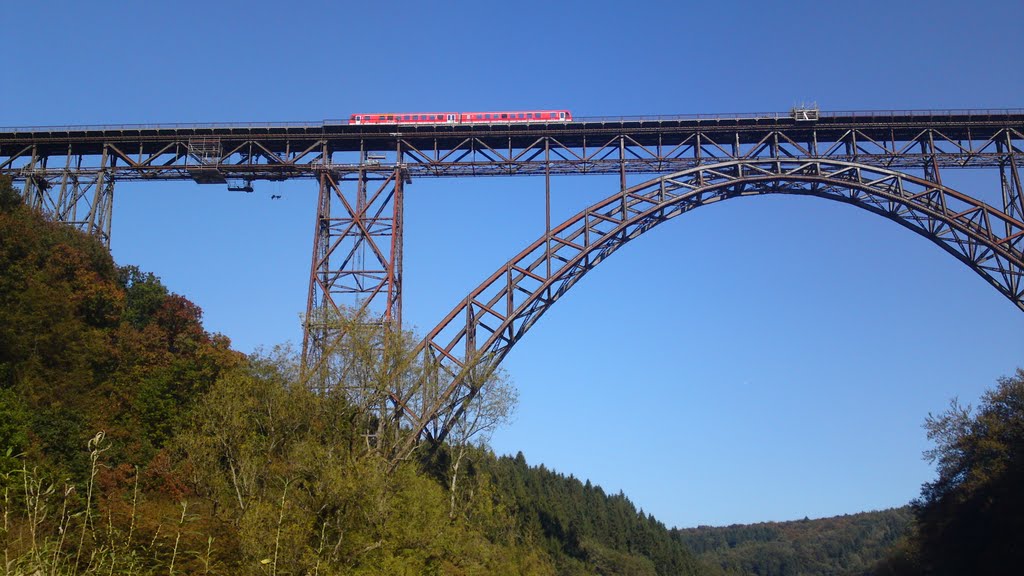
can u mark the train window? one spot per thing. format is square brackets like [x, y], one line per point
[504, 116]
[521, 115]
[357, 118]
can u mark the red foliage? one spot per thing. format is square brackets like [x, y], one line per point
[181, 320]
[160, 476]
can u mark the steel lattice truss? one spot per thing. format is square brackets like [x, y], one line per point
[357, 252]
[486, 325]
[889, 163]
[222, 153]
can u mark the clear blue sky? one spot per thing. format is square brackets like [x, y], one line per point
[762, 359]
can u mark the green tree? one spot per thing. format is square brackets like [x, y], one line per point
[9, 197]
[971, 518]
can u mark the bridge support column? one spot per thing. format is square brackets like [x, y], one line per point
[35, 184]
[82, 198]
[1013, 190]
[357, 258]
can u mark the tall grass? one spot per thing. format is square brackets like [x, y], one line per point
[48, 528]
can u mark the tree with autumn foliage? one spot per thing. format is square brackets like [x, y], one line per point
[88, 346]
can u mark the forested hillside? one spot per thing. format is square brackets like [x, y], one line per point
[87, 346]
[849, 544]
[969, 520]
[586, 529]
[133, 441]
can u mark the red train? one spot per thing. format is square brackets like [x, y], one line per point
[507, 117]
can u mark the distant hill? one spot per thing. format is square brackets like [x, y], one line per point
[842, 545]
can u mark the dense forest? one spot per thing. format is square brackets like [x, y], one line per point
[849, 544]
[134, 441]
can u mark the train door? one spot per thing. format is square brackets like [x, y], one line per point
[561, 115]
[451, 118]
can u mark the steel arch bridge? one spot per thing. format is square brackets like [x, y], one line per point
[889, 163]
[498, 313]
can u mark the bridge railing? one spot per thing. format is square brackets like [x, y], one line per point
[879, 114]
[144, 127]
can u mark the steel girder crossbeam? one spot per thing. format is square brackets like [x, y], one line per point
[357, 256]
[573, 150]
[488, 322]
[608, 152]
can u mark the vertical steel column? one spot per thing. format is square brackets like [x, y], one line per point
[622, 163]
[622, 175]
[315, 324]
[1009, 176]
[356, 265]
[62, 198]
[393, 309]
[931, 160]
[32, 192]
[103, 200]
[93, 188]
[547, 204]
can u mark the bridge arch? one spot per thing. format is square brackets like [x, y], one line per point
[486, 324]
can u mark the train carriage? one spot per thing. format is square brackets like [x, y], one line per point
[491, 117]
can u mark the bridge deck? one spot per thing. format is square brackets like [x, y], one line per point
[883, 126]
